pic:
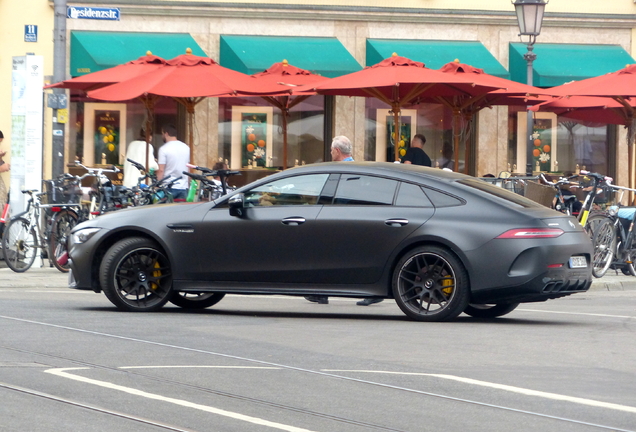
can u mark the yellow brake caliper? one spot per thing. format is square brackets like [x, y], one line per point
[447, 282]
[156, 273]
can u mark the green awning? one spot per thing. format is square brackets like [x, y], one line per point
[324, 56]
[557, 64]
[436, 53]
[93, 51]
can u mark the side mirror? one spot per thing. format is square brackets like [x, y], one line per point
[237, 205]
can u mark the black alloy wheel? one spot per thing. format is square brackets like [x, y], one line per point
[431, 284]
[136, 276]
[195, 300]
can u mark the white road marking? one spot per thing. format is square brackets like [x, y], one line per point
[520, 390]
[576, 313]
[61, 372]
[198, 366]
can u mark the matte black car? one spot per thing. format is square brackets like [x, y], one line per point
[438, 242]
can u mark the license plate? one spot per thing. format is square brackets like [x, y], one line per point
[578, 262]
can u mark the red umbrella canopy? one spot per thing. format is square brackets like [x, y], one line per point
[283, 77]
[399, 81]
[591, 109]
[509, 93]
[621, 83]
[185, 76]
[112, 75]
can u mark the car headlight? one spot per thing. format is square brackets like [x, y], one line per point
[83, 235]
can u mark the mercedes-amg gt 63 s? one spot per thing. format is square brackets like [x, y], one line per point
[439, 243]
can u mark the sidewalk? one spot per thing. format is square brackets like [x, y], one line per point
[50, 277]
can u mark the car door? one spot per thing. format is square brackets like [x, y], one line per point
[271, 242]
[369, 217]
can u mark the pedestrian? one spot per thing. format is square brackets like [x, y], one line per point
[341, 150]
[4, 194]
[446, 161]
[137, 151]
[415, 154]
[174, 157]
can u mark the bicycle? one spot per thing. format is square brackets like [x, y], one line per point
[614, 240]
[104, 196]
[211, 189]
[25, 234]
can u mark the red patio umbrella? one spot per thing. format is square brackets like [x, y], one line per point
[187, 78]
[619, 86]
[284, 78]
[509, 93]
[399, 82]
[112, 75]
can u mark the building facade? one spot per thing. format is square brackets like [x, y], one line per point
[579, 39]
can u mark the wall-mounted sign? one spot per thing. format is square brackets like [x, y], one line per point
[30, 33]
[83, 12]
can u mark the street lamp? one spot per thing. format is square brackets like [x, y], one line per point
[530, 17]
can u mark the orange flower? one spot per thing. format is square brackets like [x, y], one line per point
[546, 148]
[250, 147]
[251, 137]
[261, 143]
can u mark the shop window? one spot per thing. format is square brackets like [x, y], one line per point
[561, 145]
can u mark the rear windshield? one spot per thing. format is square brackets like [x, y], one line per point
[500, 192]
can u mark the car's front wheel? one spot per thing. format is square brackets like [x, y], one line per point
[195, 300]
[431, 284]
[136, 276]
[490, 310]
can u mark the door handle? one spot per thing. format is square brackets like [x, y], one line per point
[396, 222]
[294, 221]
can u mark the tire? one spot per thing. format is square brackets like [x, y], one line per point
[19, 245]
[136, 276]
[63, 223]
[630, 256]
[430, 284]
[604, 242]
[195, 300]
[593, 222]
[490, 310]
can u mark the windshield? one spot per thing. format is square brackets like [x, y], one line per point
[500, 192]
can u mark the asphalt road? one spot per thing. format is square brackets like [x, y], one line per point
[70, 361]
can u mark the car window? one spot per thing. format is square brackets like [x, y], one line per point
[500, 192]
[441, 199]
[411, 195]
[298, 190]
[365, 190]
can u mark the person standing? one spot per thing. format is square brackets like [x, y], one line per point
[137, 152]
[415, 154]
[174, 157]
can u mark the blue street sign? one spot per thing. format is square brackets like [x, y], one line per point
[30, 33]
[83, 12]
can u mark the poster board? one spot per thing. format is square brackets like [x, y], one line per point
[104, 134]
[545, 131]
[384, 118]
[252, 137]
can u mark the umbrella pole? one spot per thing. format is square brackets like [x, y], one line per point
[630, 158]
[285, 113]
[149, 104]
[396, 123]
[456, 115]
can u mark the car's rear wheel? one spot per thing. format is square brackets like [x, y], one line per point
[490, 310]
[195, 300]
[430, 284]
[136, 276]
[604, 246]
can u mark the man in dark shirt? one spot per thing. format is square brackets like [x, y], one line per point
[415, 155]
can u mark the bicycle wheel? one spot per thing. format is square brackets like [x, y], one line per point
[63, 223]
[604, 247]
[630, 256]
[593, 221]
[19, 245]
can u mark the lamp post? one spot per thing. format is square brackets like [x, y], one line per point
[530, 17]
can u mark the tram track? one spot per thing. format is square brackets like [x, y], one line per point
[281, 366]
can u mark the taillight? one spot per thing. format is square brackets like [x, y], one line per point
[531, 233]
[56, 209]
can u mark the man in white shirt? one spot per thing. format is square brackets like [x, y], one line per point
[174, 156]
[137, 152]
